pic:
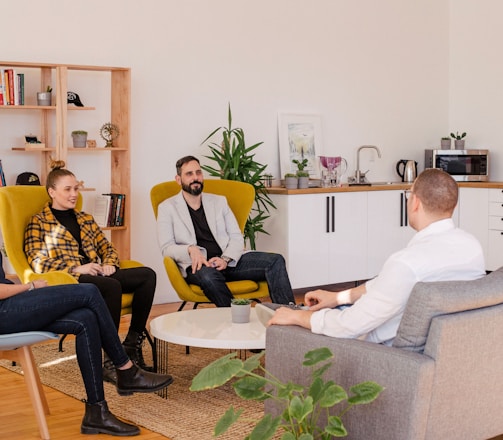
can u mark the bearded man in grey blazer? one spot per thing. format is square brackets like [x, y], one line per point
[199, 231]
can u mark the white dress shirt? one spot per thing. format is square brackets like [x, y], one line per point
[439, 252]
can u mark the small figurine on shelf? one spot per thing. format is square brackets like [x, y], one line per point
[109, 132]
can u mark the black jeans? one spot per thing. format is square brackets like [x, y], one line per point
[76, 309]
[140, 281]
[255, 266]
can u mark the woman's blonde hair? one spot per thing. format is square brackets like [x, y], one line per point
[58, 170]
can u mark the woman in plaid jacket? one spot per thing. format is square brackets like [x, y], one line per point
[61, 238]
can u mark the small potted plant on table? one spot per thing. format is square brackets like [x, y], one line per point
[291, 181]
[302, 175]
[240, 310]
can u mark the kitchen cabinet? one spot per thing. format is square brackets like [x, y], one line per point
[388, 227]
[323, 237]
[494, 259]
[473, 209]
[340, 236]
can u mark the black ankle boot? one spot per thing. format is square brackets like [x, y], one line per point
[109, 374]
[136, 380]
[133, 345]
[98, 419]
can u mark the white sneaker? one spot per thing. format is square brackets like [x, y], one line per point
[265, 311]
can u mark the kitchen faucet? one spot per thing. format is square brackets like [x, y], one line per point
[359, 177]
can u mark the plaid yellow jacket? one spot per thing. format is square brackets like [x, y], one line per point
[50, 246]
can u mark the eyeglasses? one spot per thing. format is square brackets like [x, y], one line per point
[407, 193]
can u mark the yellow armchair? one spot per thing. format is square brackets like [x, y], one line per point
[17, 205]
[240, 197]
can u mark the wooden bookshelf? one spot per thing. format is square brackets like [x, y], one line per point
[55, 139]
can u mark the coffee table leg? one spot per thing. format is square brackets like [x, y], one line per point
[162, 363]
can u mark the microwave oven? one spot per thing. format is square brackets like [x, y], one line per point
[462, 165]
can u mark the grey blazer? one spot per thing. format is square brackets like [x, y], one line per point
[176, 233]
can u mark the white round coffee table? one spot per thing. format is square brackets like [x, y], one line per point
[207, 328]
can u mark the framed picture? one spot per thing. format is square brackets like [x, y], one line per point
[299, 138]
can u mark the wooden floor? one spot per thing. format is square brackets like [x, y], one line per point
[17, 420]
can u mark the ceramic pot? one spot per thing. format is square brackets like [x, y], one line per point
[79, 140]
[303, 182]
[291, 182]
[44, 98]
[459, 144]
[445, 144]
[240, 313]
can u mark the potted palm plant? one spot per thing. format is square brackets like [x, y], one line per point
[236, 161]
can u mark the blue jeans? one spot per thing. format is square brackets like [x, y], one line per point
[76, 309]
[255, 266]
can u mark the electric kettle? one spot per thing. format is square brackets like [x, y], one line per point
[407, 170]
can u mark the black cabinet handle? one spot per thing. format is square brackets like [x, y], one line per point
[327, 211]
[333, 213]
[402, 196]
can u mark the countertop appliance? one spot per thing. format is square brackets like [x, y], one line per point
[462, 165]
[407, 170]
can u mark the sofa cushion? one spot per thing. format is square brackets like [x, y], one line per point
[430, 299]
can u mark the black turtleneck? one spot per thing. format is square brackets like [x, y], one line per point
[69, 220]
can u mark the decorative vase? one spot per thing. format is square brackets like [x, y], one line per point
[240, 313]
[79, 140]
[44, 98]
[303, 182]
[291, 182]
[459, 144]
[445, 144]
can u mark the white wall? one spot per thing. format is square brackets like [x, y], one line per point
[377, 72]
[476, 76]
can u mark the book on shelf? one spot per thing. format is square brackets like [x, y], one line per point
[20, 93]
[6, 87]
[101, 210]
[109, 209]
[2, 175]
[10, 79]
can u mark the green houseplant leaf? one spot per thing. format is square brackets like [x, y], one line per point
[302, 406]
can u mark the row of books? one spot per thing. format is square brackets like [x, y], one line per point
[11, 87]
[109, 209]
[2, 176]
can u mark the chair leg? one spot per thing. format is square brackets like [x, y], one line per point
[182, 306]
[35, 390]
[153, 347]
[60, 345]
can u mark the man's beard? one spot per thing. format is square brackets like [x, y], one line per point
[193, 190]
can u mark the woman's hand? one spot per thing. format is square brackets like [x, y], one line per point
[37, 284]
[94, 269]
[108, 270]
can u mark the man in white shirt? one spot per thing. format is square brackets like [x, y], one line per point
[438, 252]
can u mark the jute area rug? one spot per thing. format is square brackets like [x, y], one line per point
[185, 415]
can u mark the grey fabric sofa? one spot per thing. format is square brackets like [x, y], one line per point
[443, 376]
